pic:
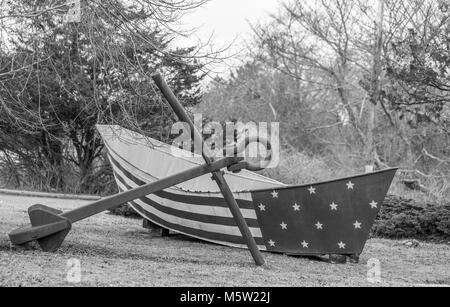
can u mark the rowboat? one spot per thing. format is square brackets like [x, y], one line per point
[173, 189]
[333, 217]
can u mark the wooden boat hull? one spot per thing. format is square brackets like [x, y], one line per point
[333, 217]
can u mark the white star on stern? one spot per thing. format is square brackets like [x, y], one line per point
[334, 207]
[284, 226]
[305, 244]
[312, 190]
[272, 243]
[350, 185]
[374, 204]
[296, 207]
[342, 245]
[262, 207]
[357, 225]
[275, 194]
[319, 226]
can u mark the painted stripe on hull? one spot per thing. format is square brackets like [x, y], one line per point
[244, 198]
[206, 232]
[203, 214]
[191, 199]
[208, 205]
[207, 210]
[213, 230]
[221, 239]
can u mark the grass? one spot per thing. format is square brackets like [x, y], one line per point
[118, 252]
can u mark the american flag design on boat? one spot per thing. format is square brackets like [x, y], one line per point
[333, 217]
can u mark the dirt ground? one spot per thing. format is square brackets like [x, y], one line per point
[115, 251]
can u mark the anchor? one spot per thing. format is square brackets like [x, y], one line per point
[49, 227]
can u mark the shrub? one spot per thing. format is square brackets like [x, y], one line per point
[402, 218]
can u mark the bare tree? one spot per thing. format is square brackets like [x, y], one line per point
[327, 44]
[60, 77]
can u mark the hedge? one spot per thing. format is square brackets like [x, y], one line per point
[402, 218]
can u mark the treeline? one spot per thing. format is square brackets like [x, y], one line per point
[58, 80]
[353, 83]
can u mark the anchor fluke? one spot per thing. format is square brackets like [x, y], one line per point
[47, 227]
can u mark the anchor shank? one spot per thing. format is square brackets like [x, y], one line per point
[120, 199]
[218, 175]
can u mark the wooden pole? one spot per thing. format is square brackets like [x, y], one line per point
[217, 176]
[150, 188]
[375, 87]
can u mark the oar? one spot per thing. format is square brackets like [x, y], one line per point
[217, 175]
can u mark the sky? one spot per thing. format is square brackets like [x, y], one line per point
[227, 20]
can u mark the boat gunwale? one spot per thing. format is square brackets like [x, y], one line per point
[281, 186]
[246, 175]
[328, 181]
